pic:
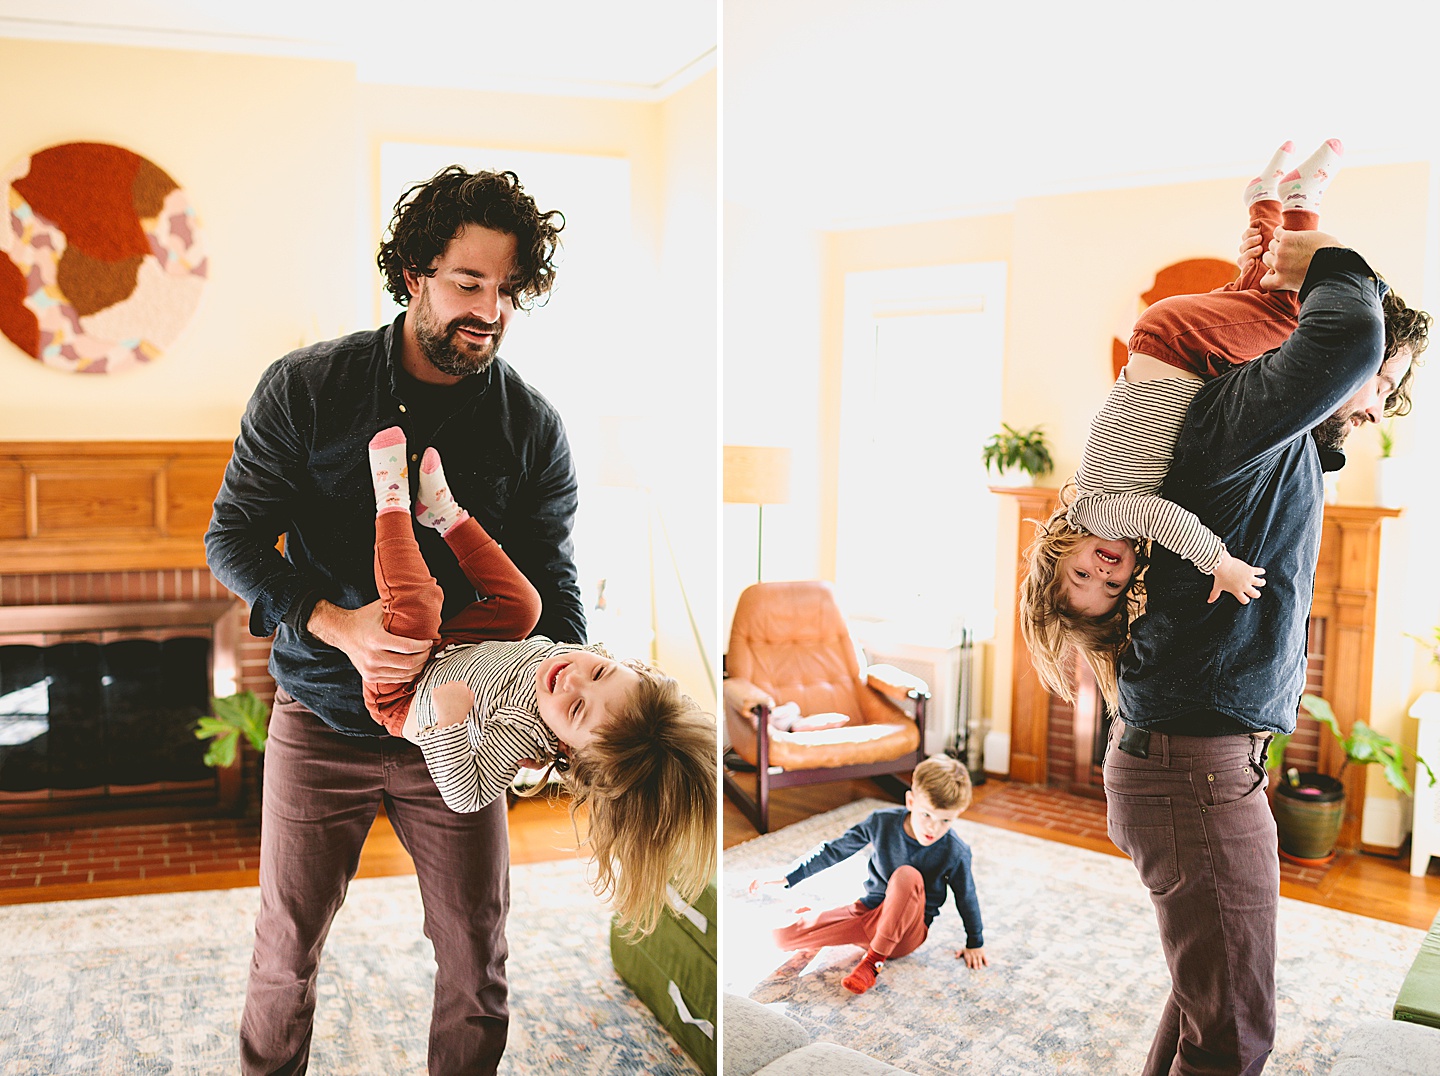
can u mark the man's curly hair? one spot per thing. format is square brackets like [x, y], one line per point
[430, 214]
[1404, 327]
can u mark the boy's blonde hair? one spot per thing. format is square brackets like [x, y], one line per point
[648, 779]
[945, 782]
[1052, 629]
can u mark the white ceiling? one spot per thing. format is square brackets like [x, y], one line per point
[628, 49]
[844, 113]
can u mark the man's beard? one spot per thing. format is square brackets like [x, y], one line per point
[1332, 432]
[438, 342]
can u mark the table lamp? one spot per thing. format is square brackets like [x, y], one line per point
[758, 475]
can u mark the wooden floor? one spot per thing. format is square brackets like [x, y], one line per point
[1374, 886]
[540, 830]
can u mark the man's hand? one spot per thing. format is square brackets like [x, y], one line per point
[974, 958]
[378, 656]
[1234, 576]
[1288, 258]
[755, 884]
[1250, 248]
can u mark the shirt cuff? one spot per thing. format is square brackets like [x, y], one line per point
[297, 617]
[1328, 262]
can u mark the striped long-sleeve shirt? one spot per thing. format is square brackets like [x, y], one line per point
[1127, 457]
[474, 761]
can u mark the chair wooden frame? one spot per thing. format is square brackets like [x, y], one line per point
[757, 808]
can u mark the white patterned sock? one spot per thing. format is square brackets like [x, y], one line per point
[1303, 187]
[388, 471]
[435, 507]
[1267, 184]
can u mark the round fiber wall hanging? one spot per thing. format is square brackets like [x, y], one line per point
[102, 262]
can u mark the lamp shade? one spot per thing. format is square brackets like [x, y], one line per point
[756, 474]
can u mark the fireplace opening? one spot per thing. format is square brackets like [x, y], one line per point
[98, 705]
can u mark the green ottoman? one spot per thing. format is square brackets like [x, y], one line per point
[673, 972]
[1419, 999]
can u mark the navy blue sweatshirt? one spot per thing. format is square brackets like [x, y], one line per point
[1245, 463]
[944, 865]
[301, 468]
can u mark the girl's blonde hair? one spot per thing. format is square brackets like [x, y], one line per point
[1052, 629]
[648, 779]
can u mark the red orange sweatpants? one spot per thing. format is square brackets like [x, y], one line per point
[893, 928]
[1207, 333]
[411, 600]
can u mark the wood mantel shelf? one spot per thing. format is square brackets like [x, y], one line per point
[1346, 585]
[106, 506]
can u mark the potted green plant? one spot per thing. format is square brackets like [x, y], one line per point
[1014, 451]
[1310, 807]
[231, 717]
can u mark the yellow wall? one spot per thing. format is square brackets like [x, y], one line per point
[266, 151]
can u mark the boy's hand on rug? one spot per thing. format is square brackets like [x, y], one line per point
[377, 655]
[1250, 248]
[974, 958]
[756, 883]
[1234, 576]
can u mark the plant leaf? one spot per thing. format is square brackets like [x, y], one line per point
[1320, 710]
[243, 712]
[1275, 753]
[222, 749]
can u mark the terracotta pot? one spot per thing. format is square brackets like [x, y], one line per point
[1309, 816]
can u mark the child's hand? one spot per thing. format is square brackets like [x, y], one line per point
[1250, 248]
[1234, 576]
[756, 883]
[974, 958]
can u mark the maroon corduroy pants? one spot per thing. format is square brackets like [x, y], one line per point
[322, 791]
[1194, 819]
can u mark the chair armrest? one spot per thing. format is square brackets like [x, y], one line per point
[896, 684]
[743, 697]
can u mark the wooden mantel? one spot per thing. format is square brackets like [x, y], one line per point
[98, 506]
[1346, 583]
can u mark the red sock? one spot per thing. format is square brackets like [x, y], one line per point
[863, 977]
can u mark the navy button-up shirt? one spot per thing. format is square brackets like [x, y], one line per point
[1245, 463]
[301, 468]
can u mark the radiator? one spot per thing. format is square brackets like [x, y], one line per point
[952, 716]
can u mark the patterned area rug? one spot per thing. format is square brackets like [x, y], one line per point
[1076, 977]
[155, 984]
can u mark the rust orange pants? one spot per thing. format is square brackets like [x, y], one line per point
[411, 600]
[893, 928]
[1209, 332]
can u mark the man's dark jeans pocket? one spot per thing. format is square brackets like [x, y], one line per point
[1222, 787]
[1143, 827]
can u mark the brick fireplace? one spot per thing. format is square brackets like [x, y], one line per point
[103, 580]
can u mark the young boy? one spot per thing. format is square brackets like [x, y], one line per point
[913, 859]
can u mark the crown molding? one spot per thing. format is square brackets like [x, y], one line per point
[379, 70]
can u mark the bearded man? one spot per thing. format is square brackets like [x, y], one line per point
[464, 251]
[1203, 687]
